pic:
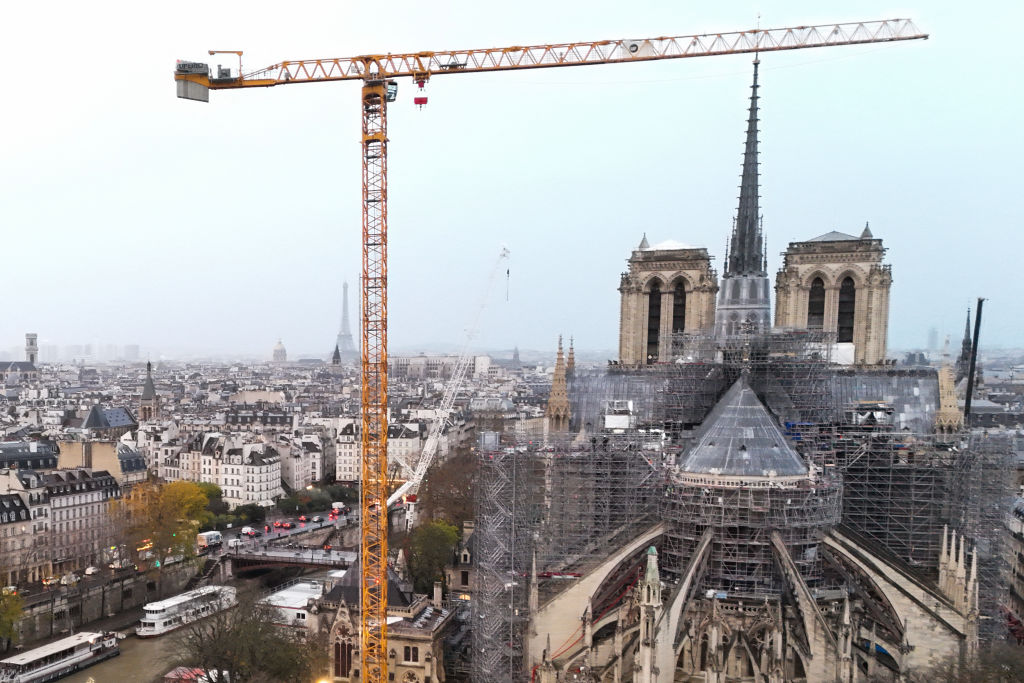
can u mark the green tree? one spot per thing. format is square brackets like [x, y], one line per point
[10, 613]
[167, 516]
[251, 513]
[245, 644]
[215, 498]
[430, 548]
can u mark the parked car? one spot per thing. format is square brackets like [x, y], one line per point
[89, 571]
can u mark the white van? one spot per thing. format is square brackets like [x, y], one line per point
[235, 543]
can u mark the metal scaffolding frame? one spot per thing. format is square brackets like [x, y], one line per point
[556, 503]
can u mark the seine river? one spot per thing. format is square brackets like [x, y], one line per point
[141, 661]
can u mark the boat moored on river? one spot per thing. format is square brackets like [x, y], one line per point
[59, 658]
[173, 613]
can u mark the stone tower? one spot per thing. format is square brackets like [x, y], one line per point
[557, 411]
[837, 283]
[31, 348]
[669, 289]
[744, 301]
[149, 403]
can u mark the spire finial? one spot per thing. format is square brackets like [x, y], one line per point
[644, 244]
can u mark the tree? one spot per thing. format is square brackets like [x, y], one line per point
[166, 516]
[215, 498]
[447, 489]
[245, 644]
[430, 548]
[10, 613]
[251, 513]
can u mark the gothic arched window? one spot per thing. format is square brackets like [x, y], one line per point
[653, 321]
[816, 305]
[342, 657]
[679, 308]
[847, 304]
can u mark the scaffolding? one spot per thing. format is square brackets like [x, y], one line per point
[984, 498]
[507, 481]
[553, 504]
[743, 514]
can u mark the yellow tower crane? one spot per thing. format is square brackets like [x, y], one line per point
[377, 72]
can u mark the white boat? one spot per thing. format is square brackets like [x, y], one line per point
[59, 658]
[166, 615]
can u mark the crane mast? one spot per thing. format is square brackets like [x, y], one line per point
[194, 81]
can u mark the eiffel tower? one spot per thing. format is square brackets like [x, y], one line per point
[346, 344]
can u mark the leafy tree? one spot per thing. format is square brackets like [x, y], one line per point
[10, 613]
[166, 515]
[251, 513]
[430, 548]
[447, 489]
[245, 644]
[215, 498]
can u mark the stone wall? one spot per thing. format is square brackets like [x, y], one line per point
[57, 612]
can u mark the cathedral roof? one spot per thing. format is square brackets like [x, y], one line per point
[741, 438]
[834, 236]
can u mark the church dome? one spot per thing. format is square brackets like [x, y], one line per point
[280, 354]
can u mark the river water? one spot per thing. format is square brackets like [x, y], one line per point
[143, 660]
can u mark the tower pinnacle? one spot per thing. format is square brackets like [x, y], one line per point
[746, 252]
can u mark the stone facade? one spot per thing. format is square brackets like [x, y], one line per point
[681, 284]
[837, 282]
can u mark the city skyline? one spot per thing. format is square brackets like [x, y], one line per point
[161, 191]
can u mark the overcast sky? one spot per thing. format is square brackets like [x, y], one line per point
[131, 216]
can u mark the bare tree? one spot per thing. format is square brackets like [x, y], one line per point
[245, 646]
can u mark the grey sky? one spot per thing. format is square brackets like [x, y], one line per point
[133, 217]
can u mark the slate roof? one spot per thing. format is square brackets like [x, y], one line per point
[148, 390]
[834, 236]
[349, 589]
[740, 437]
[109, 418]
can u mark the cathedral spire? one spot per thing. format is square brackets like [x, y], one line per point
[557, 410]
[570, 364]
[746, 253]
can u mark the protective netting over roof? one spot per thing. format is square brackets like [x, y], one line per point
[740, 438]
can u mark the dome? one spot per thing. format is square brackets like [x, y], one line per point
[280, 354]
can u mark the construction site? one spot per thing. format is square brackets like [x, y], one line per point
[555, 506]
